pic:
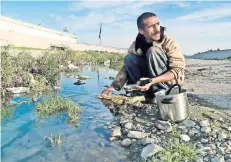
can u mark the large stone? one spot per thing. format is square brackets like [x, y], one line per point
[188, 123]
[126, 142]
[18, 90]
[163, 125]
[150, 150]
[136, 134]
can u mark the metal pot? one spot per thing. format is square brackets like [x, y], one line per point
[173, 106]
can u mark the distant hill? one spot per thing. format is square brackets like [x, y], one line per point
[220, 54]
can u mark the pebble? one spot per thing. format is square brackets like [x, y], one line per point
[185, 137]
[146, 141]
[136, 134]
[206, 129]
[222, 136]
[126, 142]
[150, 150]
[163, 125]
[128, 126]
[203, 140]
[204, 123]
[188, 123]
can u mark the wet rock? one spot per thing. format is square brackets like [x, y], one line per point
[116, 132]
[150, 150]
[188, 123]
[136, 134]
[79, 82]
[128, 126]
[163, 125]
[126, 142]
[18, 90]
[146, 141]
[204, 123]
[185, 137]
[218, 158]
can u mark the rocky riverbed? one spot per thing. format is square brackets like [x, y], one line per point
[204, 136]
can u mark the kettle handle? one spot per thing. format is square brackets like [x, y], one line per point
[167, 101]
[174, 85]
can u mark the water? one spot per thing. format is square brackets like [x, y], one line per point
[223, 54]
[22, 136]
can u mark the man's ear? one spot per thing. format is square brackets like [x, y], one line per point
[141, 31]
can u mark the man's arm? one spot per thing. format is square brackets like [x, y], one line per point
[120, 79]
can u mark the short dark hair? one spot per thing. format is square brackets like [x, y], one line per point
[142, 17]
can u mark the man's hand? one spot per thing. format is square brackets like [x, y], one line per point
[144, 88]
[107, 92]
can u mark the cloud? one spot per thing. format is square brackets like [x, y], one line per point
[119, 23]
[209, 14]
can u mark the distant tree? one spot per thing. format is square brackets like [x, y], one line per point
[65, 30]
[218, 49]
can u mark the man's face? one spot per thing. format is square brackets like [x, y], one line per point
[151, 29]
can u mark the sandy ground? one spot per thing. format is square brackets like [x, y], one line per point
[209, 82]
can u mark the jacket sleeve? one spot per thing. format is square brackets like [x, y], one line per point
[120, 79]
[176, 59]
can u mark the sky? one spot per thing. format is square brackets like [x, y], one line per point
[197, 26]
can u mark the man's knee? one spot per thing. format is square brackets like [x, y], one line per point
[156, 53]
[130, 58]
[154, 50]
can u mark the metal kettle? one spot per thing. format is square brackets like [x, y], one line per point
[173, 106]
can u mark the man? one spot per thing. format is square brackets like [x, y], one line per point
[154, 54]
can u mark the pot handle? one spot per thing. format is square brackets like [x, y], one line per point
[167, 100]
[170, 89]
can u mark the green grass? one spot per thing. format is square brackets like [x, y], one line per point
[53, 140]
[176, 152]
[54, 105]
[16, 69]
